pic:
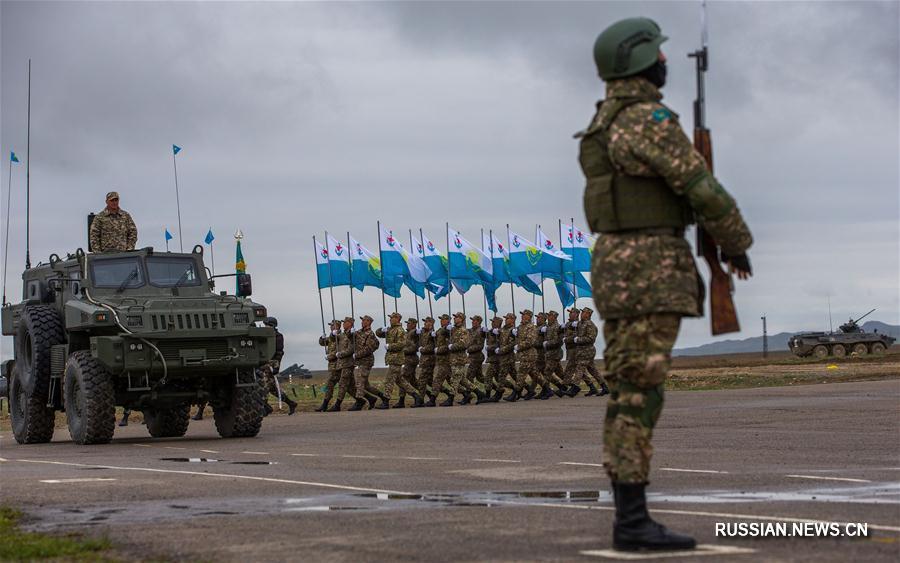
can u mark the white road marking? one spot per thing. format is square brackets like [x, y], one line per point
[142, 445]
[225, 475]
[256, 453]
[209, 451]
[174, 448]
[306, 455]
[830, 478]
[497, 460]
[361, 456]
[83, 480]
[694, 513]
[422, 458]
[692, 470]
[702, 549]
[3, 459]
[579, 463]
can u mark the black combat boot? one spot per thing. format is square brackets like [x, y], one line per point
[384, 404]
[604, 389]
[513, 397]
[124, 421]
[269, 409]
[546, 393]
[634, 530]
[560, 391]
[573, 390]
[593, 390]
[431, 401]
[336, 407]
[483, 397]
[401, 402]
[199, 414]
[292, 406]
[529, 394]
[466, 399]
[358, 405]
[417, 401]
[449, 401]
[480, 395]
[372, 400]
[324, 406]
[498, 395]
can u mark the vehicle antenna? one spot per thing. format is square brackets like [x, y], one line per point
[28, 178]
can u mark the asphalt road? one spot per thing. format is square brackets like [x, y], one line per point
[500, 482]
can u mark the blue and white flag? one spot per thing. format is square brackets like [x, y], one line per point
[437, 264]
[500, 257]
[322, 266]
[339, 262]
[524, 256]
[367, 271]
[580, 246]
[209, 237]
[557, 265]
[468, 262]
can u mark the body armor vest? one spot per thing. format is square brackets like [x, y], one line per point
[616, 202]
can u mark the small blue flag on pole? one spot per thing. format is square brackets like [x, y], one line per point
[209, 237]
[13, 157]
[175, 149]
[168, 235]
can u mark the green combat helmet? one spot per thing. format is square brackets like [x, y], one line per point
[627, 47]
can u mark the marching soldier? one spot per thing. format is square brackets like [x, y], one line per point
[329, 342]
[475, 351]
[344, 355]
[569, 332]
[113, 229]
[426, 363]
[442, 361]
[270, 369]
[410, 359]
[395, 342]
[507, 353]
[586, 352]
[365, 344]
[644, 276]
[553, 341]
[526, 353]
[459, 345]
[541, 363]
[492, 380]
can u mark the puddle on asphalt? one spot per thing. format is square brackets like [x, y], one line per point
[210, 460]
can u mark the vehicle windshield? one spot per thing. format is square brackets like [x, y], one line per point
[118, 273]
[170, 271]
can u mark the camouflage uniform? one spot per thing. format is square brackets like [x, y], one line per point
[569, 332]
[459, 363]
[344, 354]
[644, 280]
[586, 352]
[113, 232]
[492, 379]
[269, 372]
[395, 342]
[474, 373]
[365, 345]
[526, 341]
[508, 376]
[334, 374]
[410, 359]
[541, 363]
[426, 363]
[553, 342]
[441, 360]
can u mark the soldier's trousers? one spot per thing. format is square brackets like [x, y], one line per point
[571, 364]
[408, 373]
[492, 377]
[334, 376]
[586, 370]
[395, 376]
[553, 372]
[346, 384]
[528, 368]
[475, 372]
[458, 382]
[441, 375]
[362, 382]
[425, 372]
[638, 355]
[509, 377]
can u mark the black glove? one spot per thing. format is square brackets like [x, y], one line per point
[741, 262]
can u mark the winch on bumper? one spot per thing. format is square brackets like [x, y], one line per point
[204, 353]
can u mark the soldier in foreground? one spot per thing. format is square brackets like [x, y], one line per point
[329, 342]
[113, 229]
[395, 342]
[644, 276]
[344, 355]
[364, 345]
[269, 371]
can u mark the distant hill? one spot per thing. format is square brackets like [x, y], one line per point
[776, 342]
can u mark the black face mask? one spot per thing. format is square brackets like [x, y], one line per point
[656, 74]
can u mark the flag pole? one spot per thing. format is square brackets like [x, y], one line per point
[427, 291]
[415, 296]
[330, 277]
[483, 287]
[350, 273]
[212, 255]
[177, 198]
[574, 289]
[381, 260]
[449, 282]
[562, 267]
[512, 291]
[318, 287]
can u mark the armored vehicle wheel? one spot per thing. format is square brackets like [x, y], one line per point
[32, 421]
[860, 349]
[90, 399]
[878, 348]
[838, 351]
[820, 351]
[39, 329]
[241, 414]
[168, 423]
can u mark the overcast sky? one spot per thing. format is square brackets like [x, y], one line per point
[295, 118]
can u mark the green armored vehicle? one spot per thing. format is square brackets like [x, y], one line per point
[139, 329]
[850, 340]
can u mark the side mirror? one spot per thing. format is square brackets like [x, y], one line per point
[244, 285]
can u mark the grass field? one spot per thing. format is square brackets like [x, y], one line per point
[16, 545]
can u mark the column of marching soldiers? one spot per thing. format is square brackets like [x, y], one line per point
[466, 362]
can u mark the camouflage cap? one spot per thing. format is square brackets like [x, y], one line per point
[395, 314]
[496, 319]
[348, 319]
[412, 320]
[509, 316]
[112, 195]
[552, 313]
[444, 317]
[427, 319]
[476, 318]
[459, 314]
[574, 310]
[366, 318]
[526, 312]
[587, 310]
[335, 321]
[541, 314]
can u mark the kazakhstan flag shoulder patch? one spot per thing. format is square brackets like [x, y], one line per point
[661, 114]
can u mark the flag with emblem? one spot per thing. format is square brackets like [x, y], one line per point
[240, 266]
[401, 265]
[322, 266]
[339, 260]
[579, 246]
[499, 252]
[557, 265]
[437, 265]
[468, 262]
[367, 270]
[524, 256]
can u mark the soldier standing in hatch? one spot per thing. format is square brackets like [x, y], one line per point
[365, 344]
[344, 355]
[492, 365]
[395, 342]
[329, 342]
[113, 229]
[426, 363]
[643, 273]
[410, 360]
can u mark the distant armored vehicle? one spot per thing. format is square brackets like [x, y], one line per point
[850, 340]
[139, 329]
